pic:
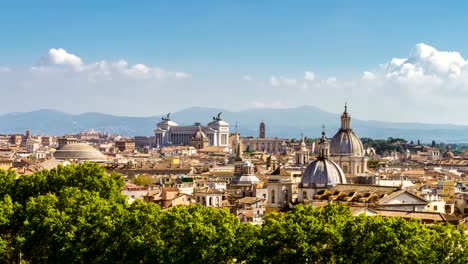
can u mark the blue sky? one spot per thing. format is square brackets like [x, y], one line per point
[228, 47]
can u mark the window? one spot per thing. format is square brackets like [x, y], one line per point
[435, 207]
[345, 168]
[272, 196]
[223, 139]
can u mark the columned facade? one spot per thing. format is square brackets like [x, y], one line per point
[169, 133]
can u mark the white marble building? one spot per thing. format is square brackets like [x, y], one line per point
[168, 132]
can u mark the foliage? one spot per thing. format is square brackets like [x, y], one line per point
[373, 163]
[76, 214]
[385, 146]
[143, 180]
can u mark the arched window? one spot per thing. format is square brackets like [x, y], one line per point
[272, 196]
[345, 168]
[304, 195]
[210, 201]
[217, 201]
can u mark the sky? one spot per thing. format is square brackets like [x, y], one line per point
[400, 61]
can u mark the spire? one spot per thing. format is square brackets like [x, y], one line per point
[345, 119]
[323, 146]
[303, 145]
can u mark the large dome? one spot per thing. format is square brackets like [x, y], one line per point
[79, 151]
[345, 142]
[322, 173]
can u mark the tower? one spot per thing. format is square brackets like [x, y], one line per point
[302, 154]
[262, 130]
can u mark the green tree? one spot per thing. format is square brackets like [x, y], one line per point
[143, 180]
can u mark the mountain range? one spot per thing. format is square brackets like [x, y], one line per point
[287, 123]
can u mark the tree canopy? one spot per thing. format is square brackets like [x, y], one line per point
[76, 214]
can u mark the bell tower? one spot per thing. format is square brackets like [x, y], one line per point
[262, 130]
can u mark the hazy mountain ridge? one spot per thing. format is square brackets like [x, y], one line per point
[279, 123]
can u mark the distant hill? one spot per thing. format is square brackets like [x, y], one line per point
[286, 123]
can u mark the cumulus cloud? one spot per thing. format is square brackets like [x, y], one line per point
[425, 71]
[62, 57]
[368, 76]
[309, 76]
[58, 60]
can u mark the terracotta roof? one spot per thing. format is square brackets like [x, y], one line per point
[431, 216]
[207, 190]
[365, 188]
[250, 200]
[248, 214]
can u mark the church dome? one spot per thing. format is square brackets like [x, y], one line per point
[322, 172]
[200, 135]
[448, 154]
[79, 151]
[345, 142]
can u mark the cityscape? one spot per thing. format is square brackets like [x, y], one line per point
[257, 168]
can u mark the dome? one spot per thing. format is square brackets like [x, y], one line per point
[200, 135]
[79, 151]
[345, 142]
[448, 154]
[245, 180]
[322, 173]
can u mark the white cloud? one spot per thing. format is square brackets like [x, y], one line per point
[425, 71]
[331, 80]
[62, 57]
[309, 76]
[282, 81]
[368, 76]
[60, 60]
[247, 77]
[426, 61]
